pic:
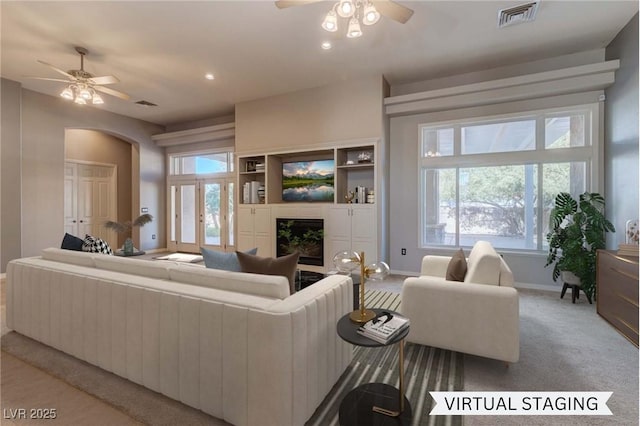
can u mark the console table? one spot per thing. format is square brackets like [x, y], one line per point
[374, 404]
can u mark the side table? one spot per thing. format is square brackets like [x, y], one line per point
[374, 404]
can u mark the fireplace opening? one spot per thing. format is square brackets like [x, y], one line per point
[303, 235]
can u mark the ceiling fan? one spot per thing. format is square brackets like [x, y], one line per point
[388, 8]
[83, 85]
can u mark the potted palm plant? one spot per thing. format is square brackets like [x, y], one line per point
[576, 230]
[125, 227]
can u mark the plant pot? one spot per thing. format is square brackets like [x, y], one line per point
[570, 278]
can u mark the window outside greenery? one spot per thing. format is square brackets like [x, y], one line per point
[506, 199]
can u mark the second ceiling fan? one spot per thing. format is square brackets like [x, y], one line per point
[82, 86]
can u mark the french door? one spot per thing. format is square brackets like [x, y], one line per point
[202, 212]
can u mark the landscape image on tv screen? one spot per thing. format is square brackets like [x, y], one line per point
[308, 181]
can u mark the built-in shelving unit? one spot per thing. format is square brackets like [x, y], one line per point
[347, 226]
[355, 166]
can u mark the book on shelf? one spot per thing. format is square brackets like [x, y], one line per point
[628, 250]
[384, 327]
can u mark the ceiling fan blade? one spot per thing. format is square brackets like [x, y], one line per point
[107, 79]
[283, 4]
[48, 79]
[112, 92]
[393, 10]
[69, 76]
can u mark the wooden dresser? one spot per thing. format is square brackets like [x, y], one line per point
[617, 292]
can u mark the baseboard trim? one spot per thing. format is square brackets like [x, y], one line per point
[527, 286]
[541, 287]
[156, 250]
[409, 273]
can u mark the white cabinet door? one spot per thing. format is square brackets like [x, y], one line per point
[254, 229]
[364, 234]
[352, 228]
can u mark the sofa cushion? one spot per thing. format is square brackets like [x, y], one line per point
[483, 264]
[221, 260]
[457, 268]
[68, 256]
[96, 245]
[145, 268]
[259, 285]
[285, 266]
[71, 242]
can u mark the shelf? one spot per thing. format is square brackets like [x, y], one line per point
[357, 166]
[261, 172]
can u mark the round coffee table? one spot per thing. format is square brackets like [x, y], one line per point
[374, 403]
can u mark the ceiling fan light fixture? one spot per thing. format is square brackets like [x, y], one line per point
[354, 31]
[67, 93]
[85, 93]
[370, 15]
[330, 22]
[80, 101]
[97, 99]
[346, 8]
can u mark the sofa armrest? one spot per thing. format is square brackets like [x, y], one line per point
[435, 266]
[472, 318]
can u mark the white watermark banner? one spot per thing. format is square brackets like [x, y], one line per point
[521, 403]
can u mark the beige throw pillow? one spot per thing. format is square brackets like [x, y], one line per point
[285, 266]
[457, 268]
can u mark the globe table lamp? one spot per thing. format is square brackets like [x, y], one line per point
[347, 262]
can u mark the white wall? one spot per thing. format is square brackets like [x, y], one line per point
[44, 120]
[621, 134]
[10, 178]
[342, 111]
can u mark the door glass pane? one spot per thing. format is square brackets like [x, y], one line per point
[499, 137]
[212, 214]
[230, 221]
[188, 214]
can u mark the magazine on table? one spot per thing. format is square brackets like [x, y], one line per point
[384, 327]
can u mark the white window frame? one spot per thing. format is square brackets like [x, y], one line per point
[177, 155]
[589, 154]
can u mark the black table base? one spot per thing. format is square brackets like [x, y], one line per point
[357, 407]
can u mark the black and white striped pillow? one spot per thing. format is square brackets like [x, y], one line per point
[96, 245]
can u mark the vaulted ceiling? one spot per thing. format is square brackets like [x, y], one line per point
[161, 50]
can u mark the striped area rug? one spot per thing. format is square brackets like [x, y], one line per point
[426, 369]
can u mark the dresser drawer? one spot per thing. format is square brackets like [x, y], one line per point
[617, 292]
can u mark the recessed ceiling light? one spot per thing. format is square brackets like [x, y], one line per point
[326, 45]
[209, 76]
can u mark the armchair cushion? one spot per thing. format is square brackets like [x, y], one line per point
[457, 268]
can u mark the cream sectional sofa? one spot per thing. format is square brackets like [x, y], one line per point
[479, 316]
[231, 344]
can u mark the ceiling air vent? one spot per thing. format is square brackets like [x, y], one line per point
[146, 104]
[518, 14]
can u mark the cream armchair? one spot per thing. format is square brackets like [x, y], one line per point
[479, 316]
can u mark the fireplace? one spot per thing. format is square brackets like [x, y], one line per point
[303, 235]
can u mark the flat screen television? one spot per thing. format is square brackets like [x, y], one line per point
[308, 181]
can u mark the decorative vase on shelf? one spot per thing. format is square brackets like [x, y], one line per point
[128, 247]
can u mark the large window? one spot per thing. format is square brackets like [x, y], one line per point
[496, 179]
